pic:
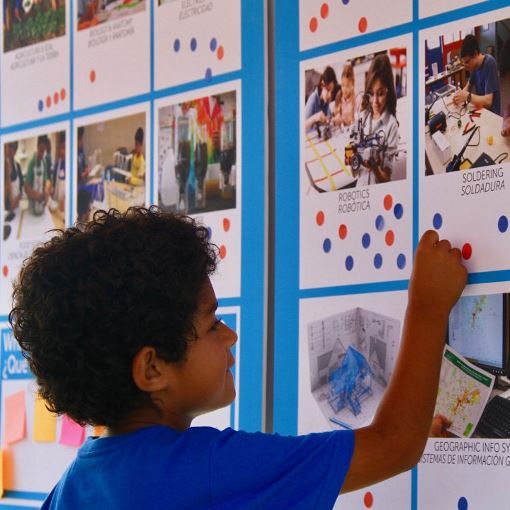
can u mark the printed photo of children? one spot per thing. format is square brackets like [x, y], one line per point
[111, 165]
[467, 99]
[95, 12]
[352, 119]
[34, 186]
[28, 22]
[198, 154]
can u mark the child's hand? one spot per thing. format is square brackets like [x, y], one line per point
[438, 276]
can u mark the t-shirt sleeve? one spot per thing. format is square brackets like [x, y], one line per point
[255, 470]
[491, 81]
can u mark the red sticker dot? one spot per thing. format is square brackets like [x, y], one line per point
[368, 499]
[92, 76]
[62, 94]
[56, 98]
[223, 251]
[5, 271]
[48, 101]
[220, 52]
[390, 237]
[319, 218]
[388, 202]
[313, 24]
[467, 251]
[324, 11]
[363, 24]
[226, 224]
[342, 231]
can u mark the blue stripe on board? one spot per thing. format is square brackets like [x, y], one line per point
[36, 496]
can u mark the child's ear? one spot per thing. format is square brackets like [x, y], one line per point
[149, 371]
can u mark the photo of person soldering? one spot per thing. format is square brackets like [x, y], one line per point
[352, 121]
[34, 186]
[467, 99]
[111, 165]
[197, 154]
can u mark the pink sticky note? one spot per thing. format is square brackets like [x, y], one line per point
[71, 434]
[15, 418]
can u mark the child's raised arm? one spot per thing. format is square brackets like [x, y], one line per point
[397, 436]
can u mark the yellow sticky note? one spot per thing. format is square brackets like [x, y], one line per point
[1, 473]
[99, 430]
[45, 423]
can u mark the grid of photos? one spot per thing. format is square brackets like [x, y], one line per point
[197, 146]
[352, 109]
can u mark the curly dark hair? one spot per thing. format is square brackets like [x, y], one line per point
[87, 300]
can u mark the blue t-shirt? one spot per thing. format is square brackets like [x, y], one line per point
[484, 80]
[204, 468]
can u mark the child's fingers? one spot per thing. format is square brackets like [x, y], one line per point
[430, 237]
[457, 253]
[444, 244]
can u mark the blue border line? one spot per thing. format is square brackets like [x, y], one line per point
[37, 496]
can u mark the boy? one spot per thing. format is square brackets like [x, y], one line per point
[118, 323]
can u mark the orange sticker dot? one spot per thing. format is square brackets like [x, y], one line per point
[467, 251]
[48, 101]
[226, 224]
[342, 231]
[388, 202]
[390, 237]
[368, 500]
[56, 98]
[313, 24]
[92, 76]
[319, 218]
[220, 52]
[62, 94]
[223, 251]
[363, 25]
[5, 271]
[324, 11]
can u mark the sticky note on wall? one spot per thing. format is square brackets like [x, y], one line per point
[15, 427]
[45, 423]
[71, 434]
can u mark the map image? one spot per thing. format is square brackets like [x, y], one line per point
[476, 328]
[463, 392]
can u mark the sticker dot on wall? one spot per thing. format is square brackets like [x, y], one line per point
[378, 260]
[437, 221]
[388, 202]
[92, 76]
[379, 222]
[345, 2]
[462, 504]
[342, 231]
[319, 218]
[213, 44]
[503, 224]
[62, 94]
[193, 44]
[467, 251]
[40, 105]
[209, 233]
[5, 271]
[368, 500]
[220, 53]
[48, 101]
[324, 11]
[363, 25]
[349, 263]
[365, 240]
[56, 98]
[223, 251]
[313, 24]
[389, 237]
[398, 211]
[326, 245]
[401, 261]
[208, 74]
[226, 224]
[177, 45]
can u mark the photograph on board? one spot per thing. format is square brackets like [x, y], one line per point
[34, 186]
[352, 111]
[467, 98]
[111, 168]
[30, 22]
[94, 12]
[197, 154]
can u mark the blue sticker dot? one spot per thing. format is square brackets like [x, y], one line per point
[503, 224]
[462, 504]
[209, 233]
[398, 211]
[378, 260]
[401, 261]
[193, 44]
[326, 245]
[40, 105]
[208, 74]
[177, 45]
[437, 221]
[365, 240]
[345, 2]
[379, 222]
[213, 44]
[349, 263]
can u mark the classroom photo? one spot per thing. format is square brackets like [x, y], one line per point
[95, 12]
